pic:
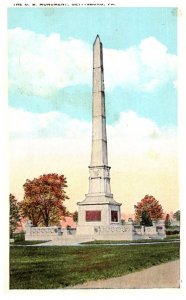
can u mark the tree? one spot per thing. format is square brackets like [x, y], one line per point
[177, 215]
[14, 217]
[75, 216]
[148, 210]
[32, 210]
[145, 218]
[43, 199]
[167, 221]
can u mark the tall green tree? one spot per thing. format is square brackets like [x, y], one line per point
[145, 218]
[177, 215]
[14, 217]
[75, 216]
[44, 199]
[167, 221]
[148, 210]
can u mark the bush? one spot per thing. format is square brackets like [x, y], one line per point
[19, 237]
[172, 232]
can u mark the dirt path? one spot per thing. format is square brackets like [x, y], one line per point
[162, 276]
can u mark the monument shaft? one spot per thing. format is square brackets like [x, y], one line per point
[98, 208]
[99, 180]
[99, 155]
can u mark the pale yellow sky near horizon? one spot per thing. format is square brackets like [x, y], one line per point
[142, 162]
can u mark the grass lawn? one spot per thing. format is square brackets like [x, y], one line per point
[59, 267]
[175, 237]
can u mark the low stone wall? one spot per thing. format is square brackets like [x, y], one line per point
[33, 233]
[157, 231]
[42, 233]
[115, 232]
[129, 231]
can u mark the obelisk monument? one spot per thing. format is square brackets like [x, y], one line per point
[99, 207]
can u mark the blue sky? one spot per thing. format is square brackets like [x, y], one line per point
[119, 29]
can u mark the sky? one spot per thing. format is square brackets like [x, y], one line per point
[50, 86]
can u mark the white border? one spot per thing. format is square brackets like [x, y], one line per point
[92, 294]
[119, 3]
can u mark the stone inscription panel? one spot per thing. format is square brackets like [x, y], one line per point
[93, 215]
[112, 229]
[44, 231]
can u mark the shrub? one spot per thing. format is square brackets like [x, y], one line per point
[19, 237]
[172, 232]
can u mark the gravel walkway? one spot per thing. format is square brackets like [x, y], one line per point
[162, 276]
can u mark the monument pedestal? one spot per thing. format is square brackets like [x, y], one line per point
[99, 213]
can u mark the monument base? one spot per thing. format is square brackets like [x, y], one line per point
[93, 232]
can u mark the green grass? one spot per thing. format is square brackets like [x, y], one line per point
[172, 237]
[59, 267]
[27, 242]
[168, 238]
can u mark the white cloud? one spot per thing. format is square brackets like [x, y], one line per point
[30, 125]
[131, 136]
[131, 126]
[145, 67]
[41, 65]
[137, 138]
[130, 133]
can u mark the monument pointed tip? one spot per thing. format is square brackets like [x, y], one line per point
[97, 39]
